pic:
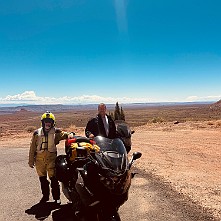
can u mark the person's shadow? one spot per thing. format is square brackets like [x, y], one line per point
[59, 212]
[42, 210]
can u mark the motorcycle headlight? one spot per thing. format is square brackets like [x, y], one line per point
[110, 182]
[117, 184]
[106, 182]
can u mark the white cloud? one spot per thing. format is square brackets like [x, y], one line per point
[206, 98]
[26, 96]
[30, 97]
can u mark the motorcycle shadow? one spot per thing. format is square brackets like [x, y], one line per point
[64, 213]
[42, 210]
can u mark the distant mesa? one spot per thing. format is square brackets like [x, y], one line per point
[23, 110]
[59, 107]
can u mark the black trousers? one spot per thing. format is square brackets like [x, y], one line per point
[55, 187]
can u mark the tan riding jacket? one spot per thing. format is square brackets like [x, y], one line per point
[55, 135]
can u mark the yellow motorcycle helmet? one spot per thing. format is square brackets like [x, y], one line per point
[48, 116]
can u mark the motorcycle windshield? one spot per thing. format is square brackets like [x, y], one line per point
[112, 155]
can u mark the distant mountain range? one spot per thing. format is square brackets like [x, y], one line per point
[42, 108]
[60, 107]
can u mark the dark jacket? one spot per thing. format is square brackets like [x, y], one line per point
[95, 126]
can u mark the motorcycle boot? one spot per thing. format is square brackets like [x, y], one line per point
[55, 189]
[44, 189]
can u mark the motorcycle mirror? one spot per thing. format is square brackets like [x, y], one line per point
[136, 155]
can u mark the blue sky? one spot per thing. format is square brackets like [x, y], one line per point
[86, 51]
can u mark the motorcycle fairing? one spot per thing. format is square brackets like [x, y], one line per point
[112, 156]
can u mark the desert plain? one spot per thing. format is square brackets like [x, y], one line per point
[180, 147]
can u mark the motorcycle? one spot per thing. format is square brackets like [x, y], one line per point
[96, 175]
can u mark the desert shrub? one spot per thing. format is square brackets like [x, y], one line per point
[157, 120]
[168, 129]
[30, 129]
[201, 126]
[210, 123]
[218, 123]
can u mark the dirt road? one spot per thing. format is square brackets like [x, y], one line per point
[178, 178]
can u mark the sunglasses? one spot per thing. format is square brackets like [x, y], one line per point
[48, 121]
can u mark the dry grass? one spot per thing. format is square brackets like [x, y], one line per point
[183, 113]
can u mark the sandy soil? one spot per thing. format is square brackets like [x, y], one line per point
[185, 156]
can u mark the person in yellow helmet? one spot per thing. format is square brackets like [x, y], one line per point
[42, 155]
